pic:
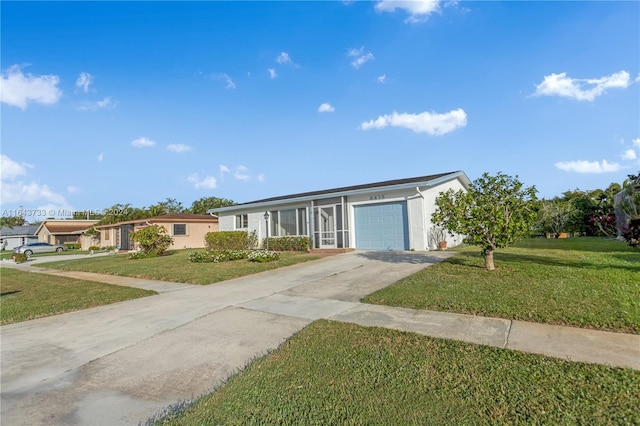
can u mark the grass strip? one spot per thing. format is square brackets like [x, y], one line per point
[336, 373]
[583, 282]
[29, 295]
[176, 267]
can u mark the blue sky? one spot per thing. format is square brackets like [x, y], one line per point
[136, 102]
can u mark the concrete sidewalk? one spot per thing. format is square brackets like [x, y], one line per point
[121, 363]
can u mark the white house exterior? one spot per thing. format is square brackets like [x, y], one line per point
[389, 215]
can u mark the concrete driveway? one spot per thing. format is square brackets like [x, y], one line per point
[121, 363]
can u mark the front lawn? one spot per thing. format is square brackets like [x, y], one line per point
[333, 373]
[30, 295]
[176, 267]
[583, 282]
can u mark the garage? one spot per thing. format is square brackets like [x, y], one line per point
[382, 226]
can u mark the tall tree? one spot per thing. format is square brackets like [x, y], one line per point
[494, 213]
[206, 203]
[171, 206]
[12, 221]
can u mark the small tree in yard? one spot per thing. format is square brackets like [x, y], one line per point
[555, 215]
[153, 240]
[494, 213]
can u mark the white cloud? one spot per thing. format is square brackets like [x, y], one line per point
[360, 57]
[13, 190]
[418, 10]
[10, 169]
[18, 89]
[325, 107]
[142, 143]
[228, 82]
[92, 106]
[581, 166]
[100, 157]
[284, 59]
[425, 122]
[73, 189]
[261, 178]
[241, 173]
[178, 147]
[636, 142]
[586, 89]
[629, 154]
[84, 81]
[382, 79]
[208, 182]
[272, 73]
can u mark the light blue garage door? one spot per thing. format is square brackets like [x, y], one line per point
[382, 226]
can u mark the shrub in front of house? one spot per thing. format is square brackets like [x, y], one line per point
[72, 246]
[227, 240]
[290, 243]
[262, 256]
[95, 248]
[141, 255]
[152, 240]
[217, 256]
[20, 257]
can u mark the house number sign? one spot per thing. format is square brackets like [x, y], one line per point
[376, 197]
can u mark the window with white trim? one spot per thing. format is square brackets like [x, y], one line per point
[242, 221]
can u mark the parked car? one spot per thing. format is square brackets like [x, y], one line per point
[32, 248]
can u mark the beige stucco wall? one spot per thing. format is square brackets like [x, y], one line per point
[195, 235]
[194, 238]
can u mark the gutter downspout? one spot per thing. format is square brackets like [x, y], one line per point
[424, 219]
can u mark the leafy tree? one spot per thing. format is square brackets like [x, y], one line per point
[153, 240]
[170, 206]
[555, 215]
[206, 203]
[494, 213]
[12, 221]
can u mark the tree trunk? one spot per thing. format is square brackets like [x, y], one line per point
[488, 259]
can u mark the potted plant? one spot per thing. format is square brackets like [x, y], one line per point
[438, 237]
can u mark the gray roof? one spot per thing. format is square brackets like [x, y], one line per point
[392, 184]
[19, 231]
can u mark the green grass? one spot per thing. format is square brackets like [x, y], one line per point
[332, 373]
[583, 282]
[30, 295]
[176, 267]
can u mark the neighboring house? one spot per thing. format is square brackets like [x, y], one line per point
[66, 231]
[390, 215]
[11, 237]
[187, 230]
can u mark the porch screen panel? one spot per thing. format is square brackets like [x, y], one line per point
[287, 222]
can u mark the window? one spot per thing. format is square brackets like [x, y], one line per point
[107, 234]
[287, 223]
[179, 229]
[242, 221]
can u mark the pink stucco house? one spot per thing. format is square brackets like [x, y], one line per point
[187, 230]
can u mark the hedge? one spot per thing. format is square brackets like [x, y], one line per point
[291, 243]
[227, 240]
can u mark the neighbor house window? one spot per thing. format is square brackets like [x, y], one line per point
[107, 235]
[179, 229]
[242, 221]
